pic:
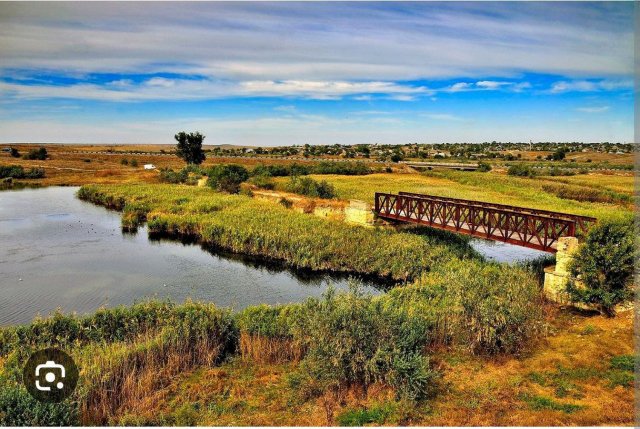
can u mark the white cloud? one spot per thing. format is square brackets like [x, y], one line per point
[599, 109]
[460, 86]
[189, 89]
[591, 85]
[319, 41]
[492, 84]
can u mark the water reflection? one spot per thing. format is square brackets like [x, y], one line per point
[60, 252]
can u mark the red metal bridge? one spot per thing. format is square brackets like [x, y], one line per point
[536, 229]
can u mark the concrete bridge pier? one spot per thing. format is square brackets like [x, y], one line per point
[556, 277]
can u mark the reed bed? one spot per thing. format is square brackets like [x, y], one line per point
[259, 228]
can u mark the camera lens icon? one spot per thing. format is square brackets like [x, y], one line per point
[50, 375]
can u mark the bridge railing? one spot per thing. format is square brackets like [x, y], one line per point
[491, 221]
[582, 222]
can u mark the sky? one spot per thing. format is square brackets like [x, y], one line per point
[284, 73]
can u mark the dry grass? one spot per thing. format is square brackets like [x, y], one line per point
[476, 391]
[264, 350]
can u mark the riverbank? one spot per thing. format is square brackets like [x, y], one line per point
[262, 228]
[194, 364]
[462, 341]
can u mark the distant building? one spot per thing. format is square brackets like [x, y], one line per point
[149, 167]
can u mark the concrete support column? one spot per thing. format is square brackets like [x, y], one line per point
[557, 276]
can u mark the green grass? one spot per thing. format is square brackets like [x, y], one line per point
[363, 416]
[494, 187]
[256, 227]
[539, 403]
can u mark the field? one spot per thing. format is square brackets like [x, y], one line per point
[458, 340]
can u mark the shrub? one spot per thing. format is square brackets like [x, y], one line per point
[311, 188]
[167, 175]
[124, 161]
[604, 265]
[286, 203]
[354, 339]
[14, 152]
[133, 162]
[263, 182]
[18, 172]
[272, 170]
[40, 154]
[345, 168]
[521, 170]
[227, 178]
[484, 167]
[489, 308]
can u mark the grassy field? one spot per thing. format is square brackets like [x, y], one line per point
[245, 225]
[494, 187]
[460, 341]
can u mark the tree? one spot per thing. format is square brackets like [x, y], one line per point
[14, 152]
[604, 264]
[189, 147]
[558, 155]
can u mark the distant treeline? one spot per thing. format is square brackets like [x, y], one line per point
[325, 167]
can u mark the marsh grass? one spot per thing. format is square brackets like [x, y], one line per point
[122, 352]
[259, 228]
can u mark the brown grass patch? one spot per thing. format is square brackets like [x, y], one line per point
[265, 350]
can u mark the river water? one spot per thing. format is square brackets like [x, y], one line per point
[59, 252]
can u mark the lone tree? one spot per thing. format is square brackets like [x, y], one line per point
[189, 147]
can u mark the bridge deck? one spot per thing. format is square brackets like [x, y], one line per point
[536, 229]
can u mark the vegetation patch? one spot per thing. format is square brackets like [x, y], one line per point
[604, 265]
[18, 172]
[539, 403]
[260, 228]
[311, 188]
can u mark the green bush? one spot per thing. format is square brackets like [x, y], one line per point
[263, 182]
[604, 266]
[521, 170]
[124, 161]
[311, 188]
[484, 167]
[133, 162]
[18, 172]
[14, 152]
[354, 339]
[268, 321]
[167, 175]
[487, 307]
[40, 154]
[227, 178]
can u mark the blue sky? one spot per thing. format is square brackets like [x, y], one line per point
[320, 73]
